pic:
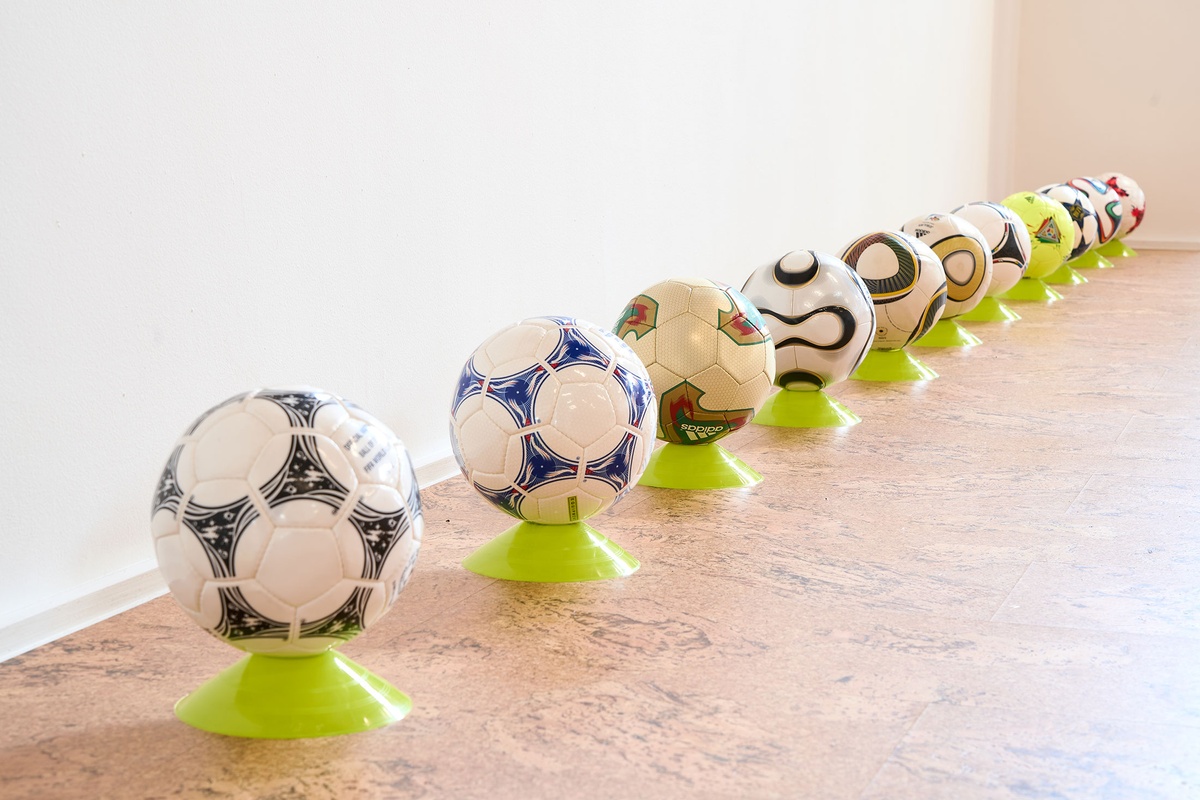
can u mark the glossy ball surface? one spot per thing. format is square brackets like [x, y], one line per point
[964, 254]
[1133, 201]
[552, 420]
[1082, 212]
[1051, 232]
[1008, 239]
[708, 352]
[1109, 209]
[820, 316]
[906, 282]
[287, 521]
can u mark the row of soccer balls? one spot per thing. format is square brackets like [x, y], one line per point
[287, 521]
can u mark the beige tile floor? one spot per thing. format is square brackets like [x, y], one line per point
[989, 588]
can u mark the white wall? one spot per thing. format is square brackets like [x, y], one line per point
[1108, 85]
[196, 199]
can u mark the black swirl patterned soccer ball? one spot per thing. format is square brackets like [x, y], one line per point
[287, 521]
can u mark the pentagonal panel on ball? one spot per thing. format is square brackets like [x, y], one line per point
[300, 564]
[743, 362]
[482, 443]
[183, 581]
[584, 412]
[229, 447]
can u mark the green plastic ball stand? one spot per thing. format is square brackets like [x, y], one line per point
[1092, 259]
[990, 309]
[1115, 248]
[892, 366]
[804, 409]
[697, 466]
[1032, 290]
[551, 554]
[1065, 275]
[948, 333]
[277, 697]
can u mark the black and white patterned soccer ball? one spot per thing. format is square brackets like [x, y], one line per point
[964, 254]
[907, 285]
[1082, 212]
[287, 521]
[820, 315]
[1008, 239]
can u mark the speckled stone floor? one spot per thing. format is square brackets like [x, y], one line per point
[989, 588]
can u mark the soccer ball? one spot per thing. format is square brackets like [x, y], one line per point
[964, 254]
[820, 315]
[287, 521]
[906, 282]
[1133, 201]
[553, 420]
[1006, 236]
[708, 352]
[1107, 202]
[1051, 232]
[1082, 213]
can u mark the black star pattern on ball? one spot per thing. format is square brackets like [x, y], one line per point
[240, 620]
[1076, 210]
[379, 532]
[304, 476]
[345, 623]
[219, 529]
[169, 494]
[301, 407]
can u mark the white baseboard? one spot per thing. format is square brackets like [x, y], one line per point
[123, 590]
[1165, 244]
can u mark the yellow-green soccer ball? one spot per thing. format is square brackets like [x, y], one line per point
[1051, 232]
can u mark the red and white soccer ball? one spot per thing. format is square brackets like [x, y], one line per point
[1132, 198]
[287, 521]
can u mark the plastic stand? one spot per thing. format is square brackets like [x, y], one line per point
[948, 333]
[1065, 276]
[804, 409]
[551, 554]
[1115, 248]
[892, 365]
[1092, 259]
[990, 309]
[277, 697]
[1033, 290]
[697, 466]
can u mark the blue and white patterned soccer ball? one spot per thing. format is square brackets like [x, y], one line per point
[287, 521]
[820, 315]
[553, 420]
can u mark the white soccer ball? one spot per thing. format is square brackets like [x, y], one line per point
[287, 521]
[553, 420]
[965, 256]
[1082, 213]
[907, 285]
[1008, 239]
[708, 352]
[820, 315]
[1133, 201]
[1109, 210]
